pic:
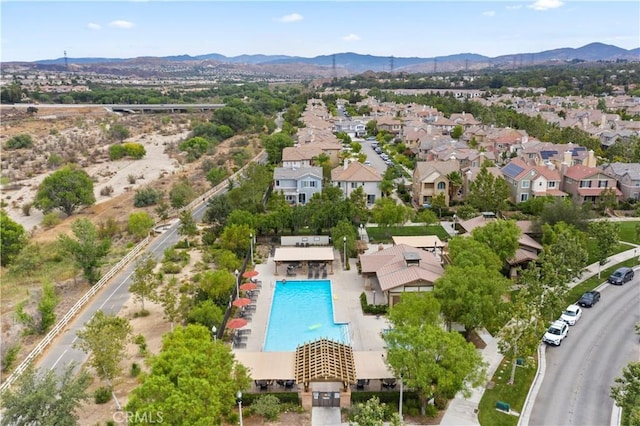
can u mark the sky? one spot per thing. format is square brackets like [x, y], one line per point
[37, 30]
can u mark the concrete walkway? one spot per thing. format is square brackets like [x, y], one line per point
[462, 411]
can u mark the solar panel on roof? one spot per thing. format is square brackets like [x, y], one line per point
[574, 151]
[512, 170]
[547, 154]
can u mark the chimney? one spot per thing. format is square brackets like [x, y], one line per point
[346, 164]
[591, 159]
[567, 158]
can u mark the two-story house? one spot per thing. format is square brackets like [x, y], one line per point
[430, 179]
[353, 175]
[628, 177]
[390, 124]
[527, 181]
[297, 184]
[587, 183]
[299, 156]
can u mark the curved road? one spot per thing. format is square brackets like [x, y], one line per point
[110, 300]
[580, 372]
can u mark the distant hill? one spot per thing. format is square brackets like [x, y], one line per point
[354, 63]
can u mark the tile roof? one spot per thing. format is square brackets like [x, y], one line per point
[580, 171]
[355, 172]
[296, 173]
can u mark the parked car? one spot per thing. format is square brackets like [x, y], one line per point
[589, 299]
[572, 314]
[621, 276]
[556, 333]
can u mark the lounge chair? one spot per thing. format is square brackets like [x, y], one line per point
[324, 273]
[316, 274]
[310, 274]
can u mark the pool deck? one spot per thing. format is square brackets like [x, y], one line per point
[364, 330]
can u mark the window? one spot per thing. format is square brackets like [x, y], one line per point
[551, 184]
[441, 186]
[524, 197]
[525, 183]
[371, 199]
[277, 183]
[602, 184]
[354, 185]
[585, 184]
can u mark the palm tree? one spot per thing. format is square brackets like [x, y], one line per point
[323, 160]
[455, 182]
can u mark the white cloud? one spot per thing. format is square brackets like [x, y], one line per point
[351, 37]
[93, 26]
[292, 17]
[546, 4]
[514, 7]
[122, 24]
[489, 13]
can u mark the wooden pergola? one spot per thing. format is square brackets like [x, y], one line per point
[324, 361]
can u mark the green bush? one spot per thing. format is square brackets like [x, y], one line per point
[147, 197]
[267, 406]
[233, 418]
[371, 309]
[51, 219]
[116, 152]
[171, 268]
[134, 150]
[102, 395]
[19, 142]
[10, 357]
[135, 370]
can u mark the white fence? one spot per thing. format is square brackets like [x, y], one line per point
[70, 314]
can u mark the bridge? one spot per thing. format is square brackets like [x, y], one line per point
[127, 108]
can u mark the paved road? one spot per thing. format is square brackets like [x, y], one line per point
[580, 372]
[110, 300]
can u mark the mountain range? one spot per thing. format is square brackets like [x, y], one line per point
[354, 63]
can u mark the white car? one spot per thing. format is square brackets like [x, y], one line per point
[556, 333]
[572, 314]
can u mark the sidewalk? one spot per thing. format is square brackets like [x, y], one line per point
[462, 411]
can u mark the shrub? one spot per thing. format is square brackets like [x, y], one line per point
[102, 395]
[132, 179]
[108, 228]
[139, 224]
[51, 219]
[171, 268]
[106, 191]
[10, 356]
[267, 406]
[142, 344]
[26, 209]
[54, 160]
[147, 197]
[134, 150]
[135, 370]
[20, 142]
[371, 309]
[116, 152]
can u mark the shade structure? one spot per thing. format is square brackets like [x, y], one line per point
[250, 274]
[241, 301]
[248, 286]
[237, 323]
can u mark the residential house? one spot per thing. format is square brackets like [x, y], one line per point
[628, 177]
[299, 156]
[390, 124]
[430, 179]
[544, 153]
[587, 183]
[528, 248]
[528, 181]
[400, 268]
[353, 175]
[354, 128]
[298, 184]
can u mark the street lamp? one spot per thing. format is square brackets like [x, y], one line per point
[400, 403]
[214, 330]
[344, 240]
[251, 245]
[237, 274]
[361, 231]
[239, 396]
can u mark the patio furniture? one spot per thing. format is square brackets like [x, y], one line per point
[389, 383]
[324, 273]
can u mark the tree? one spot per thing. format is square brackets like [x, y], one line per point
[188, 226]
[162, 210]
[45, 399]
[118, 132]
[457, 132]
[427, 217]
[20, 142]
[470, 296]
[13, 238]
[564, 210]
[193, 380]
[235, 238]
[520, 336]
[139, 224]
[216, 175]
[386, 212]
[45, 316]
[433, 361]
[344, 228]
[105, 337]
[176, 300]
[415, 308]
[606, 235]
[144, 281]
[67, 189]
[181, 194]
[502, 236]
[274, 144]
[218, 209]
[626, 393]
[455, 183]
[564, 252]
[86, 249]
[467, 252]
[487, 192]
[323, 160]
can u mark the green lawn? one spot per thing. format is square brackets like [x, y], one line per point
[628, 231]
[514, 394]
[383, 235]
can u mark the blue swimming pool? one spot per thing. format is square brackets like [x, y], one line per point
[301, 312]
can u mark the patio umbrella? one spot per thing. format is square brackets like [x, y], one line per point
[237, 323]
[250, 274]
[242, 301]
[248, 286]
